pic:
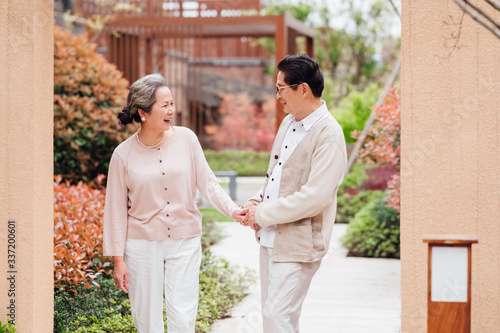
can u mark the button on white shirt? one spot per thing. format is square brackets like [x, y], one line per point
[294, 135]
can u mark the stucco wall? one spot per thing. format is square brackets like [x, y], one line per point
[450, 152]
[26, 167]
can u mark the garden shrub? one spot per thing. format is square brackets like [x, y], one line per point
[354, 110]
[243, 125]
[357, 190]
[78, 211]
[378, 177]
[85, 296]
[374, 232]
[355, 178]
[385, 216]
[107, 309]
[221, 287]
[246, 163]
[75, 310]
[211, 230]
[383, 144]
[88, 94]
[349, 203]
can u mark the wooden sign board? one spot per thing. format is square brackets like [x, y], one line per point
[449, 283]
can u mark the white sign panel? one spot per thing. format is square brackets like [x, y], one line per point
[449, 274]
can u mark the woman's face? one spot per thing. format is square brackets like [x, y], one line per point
[163, 111]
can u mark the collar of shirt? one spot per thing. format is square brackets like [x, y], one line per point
[313, 118]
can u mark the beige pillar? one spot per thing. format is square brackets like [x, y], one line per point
[26, 163]
[450, 152]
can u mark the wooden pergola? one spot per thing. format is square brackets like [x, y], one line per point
[188, 35]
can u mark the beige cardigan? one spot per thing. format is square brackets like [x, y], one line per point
[305, 210]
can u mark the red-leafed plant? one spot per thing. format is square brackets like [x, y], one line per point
[244, 126]
[78, 211]
[88, 94]
[383, 144]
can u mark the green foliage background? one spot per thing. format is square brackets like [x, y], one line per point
[354, 110]
[246, 163]
[88, 94]
[107, 309]
[374, 232]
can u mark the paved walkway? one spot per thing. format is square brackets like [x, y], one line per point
[347, 295]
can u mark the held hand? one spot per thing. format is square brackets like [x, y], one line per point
[239, 215]
[244, 222]
[250, 217]
[249, 204]
[120, 274]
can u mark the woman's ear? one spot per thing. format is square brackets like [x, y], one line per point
[141, 113]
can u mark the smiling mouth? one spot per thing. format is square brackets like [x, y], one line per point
[168, 120]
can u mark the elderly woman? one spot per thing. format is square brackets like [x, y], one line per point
[152, 225]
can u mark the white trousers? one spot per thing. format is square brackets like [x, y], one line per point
[284, 287]
[170, 265]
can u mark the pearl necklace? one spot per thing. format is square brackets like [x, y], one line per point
[156, 145]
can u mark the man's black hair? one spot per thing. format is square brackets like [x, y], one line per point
[302, 68]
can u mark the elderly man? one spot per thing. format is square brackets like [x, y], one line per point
[294, 212]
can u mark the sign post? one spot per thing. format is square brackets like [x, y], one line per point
[449, 283]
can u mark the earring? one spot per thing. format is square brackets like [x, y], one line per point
[143, 118]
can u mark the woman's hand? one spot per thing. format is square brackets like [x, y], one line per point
[120, 274]
[244, 221]
[239, 215]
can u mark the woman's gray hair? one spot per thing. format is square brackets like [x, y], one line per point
[142, 95]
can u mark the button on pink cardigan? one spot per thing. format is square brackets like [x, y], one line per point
[151, 192]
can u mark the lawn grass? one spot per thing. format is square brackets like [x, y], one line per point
[212, 215]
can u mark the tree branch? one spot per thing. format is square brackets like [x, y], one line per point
[362, 137]
[483, 13]
[494, 3]
[486, 21]
[397, 11]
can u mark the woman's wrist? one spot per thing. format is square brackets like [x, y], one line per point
[118, 259]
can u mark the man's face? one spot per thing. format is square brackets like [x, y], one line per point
[288, 97]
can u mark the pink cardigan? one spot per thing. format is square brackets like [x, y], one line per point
[151, 192]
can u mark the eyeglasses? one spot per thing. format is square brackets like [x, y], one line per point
[278, 88]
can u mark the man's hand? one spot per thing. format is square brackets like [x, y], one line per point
[239, 215]
[245, 207]
[120, 274]
[250, 217]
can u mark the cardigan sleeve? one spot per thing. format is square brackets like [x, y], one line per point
[208, 185]
[327, 171]
[115, 209]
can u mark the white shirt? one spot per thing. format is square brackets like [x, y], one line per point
[294, 135]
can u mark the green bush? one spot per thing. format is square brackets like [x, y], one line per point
[354, 110]
[354, 193]
[356, 177]
[88, 94]
[384, 215]
[246, 163]
[348, 205]
[107, 309]
[113, 321]
[211, 231]
[374, 232]
[94, 303]
[221, 287]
